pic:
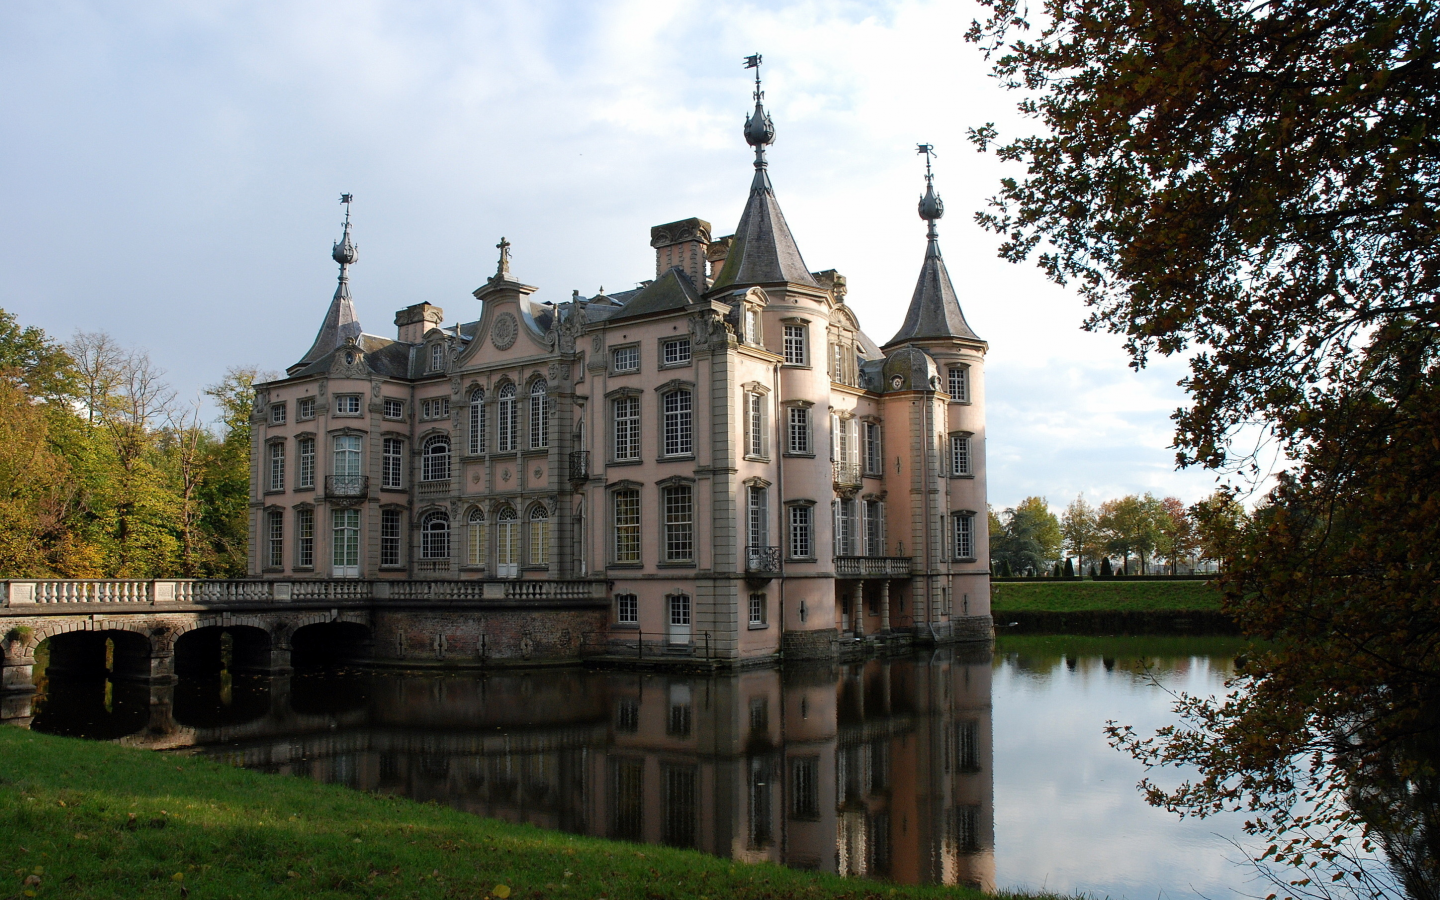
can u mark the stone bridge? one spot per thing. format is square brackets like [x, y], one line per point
[156, 630]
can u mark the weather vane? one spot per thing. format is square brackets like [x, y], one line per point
[347, 199]
[929, 151]
[753, 62]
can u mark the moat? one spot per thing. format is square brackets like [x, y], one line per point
[948, 766]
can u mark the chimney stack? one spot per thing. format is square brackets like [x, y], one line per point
[682, 244]
[417, 321]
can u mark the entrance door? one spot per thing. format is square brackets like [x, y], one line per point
[507, 550]
[345, 538]
[679, 618]
[845, 612]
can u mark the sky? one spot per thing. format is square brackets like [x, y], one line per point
[170, 174]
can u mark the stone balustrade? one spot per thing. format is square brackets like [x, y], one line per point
[873, 566]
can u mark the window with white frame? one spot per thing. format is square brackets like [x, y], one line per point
[752, 326]
[802, 543]
[757, 609]
[435, 535]
[305, 462]
[305, 538]
[757, 531]
[964, 536]
[755, 431]
[393, 409]
[874, 456]
[960, 454]
[837, 362]
[679, 523]
[874, 513]
[477, 421]
[624, 360]
[437, 357]
[539, 536]
[392, 463]
[626, 506]
[627, 609]
[627, 428]
[347, 405]
[539, 415]
[675, 351]
[390, 534]
[798, 431]
[305, 408]
[475, 538]
[275, 539]
[277, 414]
[847, 528]
[346, 458]
[435, 408]
[506, 427]
[957, 382]
[435, 458]
[277, 466]
[507, 539]
[679, 430]
[796, 352]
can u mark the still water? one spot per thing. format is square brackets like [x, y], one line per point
[954, 767]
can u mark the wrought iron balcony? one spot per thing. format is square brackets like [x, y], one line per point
[347, 485]
[579, 465]
[847, 474]
[873, 566]
[762, 560]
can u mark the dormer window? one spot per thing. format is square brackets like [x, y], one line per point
[752, 326]
[437, 357]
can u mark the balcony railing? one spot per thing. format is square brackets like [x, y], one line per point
[847, 474]
[432, 565]
[762, 560]
[579, 465]
[23, 596]
[347, 485]
[433, 488]
[873, 566]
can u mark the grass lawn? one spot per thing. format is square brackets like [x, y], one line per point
[1110, 596]
[83, 819]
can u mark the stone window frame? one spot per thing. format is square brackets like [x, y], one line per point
[528, 536]
[542, 427]
[807, 405]
[270, 515]
[304, 409]
[806, 350]
[665, 485]
[436, 359]
[964, 368]
[385, 409]
[423, 442]
[790, 505]
[626, 393]
[752, 484]
[429, 413]
[476, 422]
[295, 511]
[300, 439]
[754, 389]
[663, 340]
[278, 413]
[468, 561]
[404, 439]
[955, 548]
[611, 555]
[359, 406]
[401, 545]
[610, 361]
[620, 620]
[505, 384]
[763, 622]
[270, 459]
[968, 438]
[673, 386]
[428, 514]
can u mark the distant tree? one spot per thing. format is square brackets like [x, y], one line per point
[1220, 522]
[225, 490]
[1079, 529]
[1178, 538]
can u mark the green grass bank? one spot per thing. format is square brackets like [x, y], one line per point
[1118, 595]
[80, 819]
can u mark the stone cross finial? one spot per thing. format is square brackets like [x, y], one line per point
[503, 270]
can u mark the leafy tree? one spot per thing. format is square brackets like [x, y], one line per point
[1129, 527]
[1027, 536]
[225, 489]
[1080, 530]
[1255, 186]
[1220, 522]
[41, 367]
[1177, 537]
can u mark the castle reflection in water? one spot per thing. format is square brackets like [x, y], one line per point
[879, 769]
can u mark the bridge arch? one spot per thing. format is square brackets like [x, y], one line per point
[208, 647]
[327, 640]
[122, 651]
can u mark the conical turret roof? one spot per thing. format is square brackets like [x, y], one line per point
[341, 324]
[934, 312]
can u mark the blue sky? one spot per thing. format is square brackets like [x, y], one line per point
[171, 174]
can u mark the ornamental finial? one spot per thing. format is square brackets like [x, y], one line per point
[931, 208]
[345, 252]
[759, 130]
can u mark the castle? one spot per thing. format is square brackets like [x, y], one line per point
[718, 462]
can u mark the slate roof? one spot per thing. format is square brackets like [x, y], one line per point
[764, 250]
[934, 311]
[671, 291]
[340, 324]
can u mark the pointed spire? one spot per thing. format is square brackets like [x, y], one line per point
[341, 324]
[934, 312]
[764, 250]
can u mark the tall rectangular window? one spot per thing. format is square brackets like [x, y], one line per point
[795, 350]
[681, 810]
[392, 472]
[874, 528]
[752, 326]
[679, 430]
[675, 352]
[798, 430]
[805, 788]
[802, 545]
[755, 424]
[627, 428]
[305, 538]
[347, 455]
[874, 458]
[275, 539]
[758, 514]
[845, 528]
[277, 466]
[959, 454]
[389, 537]
[539, 416]
[627, 788]
[627, 526]
[957, 382]
[345, 541]
[679, 524]
[477, 422]
[627, 609]
[757, 609]
[625, 359]
[505, 428]
[305, 463]
[964, 536]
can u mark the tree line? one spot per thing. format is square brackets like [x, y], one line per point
[1132, 535]
[106, 473]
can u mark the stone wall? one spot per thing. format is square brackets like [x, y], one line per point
[492, 637]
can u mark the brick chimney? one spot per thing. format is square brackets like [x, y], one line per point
[682, 244]
[417, 321]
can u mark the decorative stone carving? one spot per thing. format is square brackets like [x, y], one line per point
[595, 343]
[504, 332]
[375, 389]
[505, 475]
[554, 372]
[455, 386]
[539, 473]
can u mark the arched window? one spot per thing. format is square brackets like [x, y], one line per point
[539, 537]
[435, 535]
[477, 421]
[507, 543]
[539, 415]
[476, 538]
[435, 459]
[505, 440]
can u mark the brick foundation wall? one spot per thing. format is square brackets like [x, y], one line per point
[492, 636]
[821, 644]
